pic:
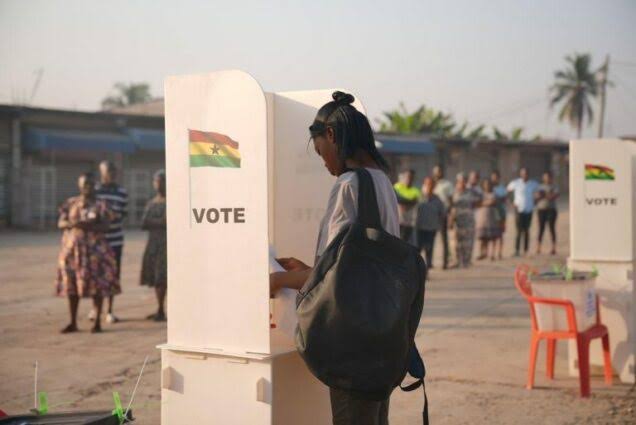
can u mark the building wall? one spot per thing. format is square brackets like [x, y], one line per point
[51, 178]
[34, 184]
[5, 171]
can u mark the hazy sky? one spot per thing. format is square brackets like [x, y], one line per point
[488, 61]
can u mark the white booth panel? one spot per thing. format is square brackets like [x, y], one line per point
[217, 261]
[603, 226]
[301, 181]
[298, 397]
[207, 389]
[603, 237]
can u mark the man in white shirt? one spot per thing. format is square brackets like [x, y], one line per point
[523, 190]
[444, 191]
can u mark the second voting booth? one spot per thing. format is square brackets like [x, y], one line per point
[243, 179]
[603, 237]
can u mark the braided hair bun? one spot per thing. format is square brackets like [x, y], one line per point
[342, 98]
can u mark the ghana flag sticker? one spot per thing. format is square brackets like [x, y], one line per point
[210, 149]
[598, 172]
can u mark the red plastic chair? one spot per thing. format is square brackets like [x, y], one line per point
[582, 338]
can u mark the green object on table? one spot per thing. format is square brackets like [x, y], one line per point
[568, 274]
[556, 268]
[118, 410]
[43, 403]
[594, 271]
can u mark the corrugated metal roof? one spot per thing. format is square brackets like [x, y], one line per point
[405, 144]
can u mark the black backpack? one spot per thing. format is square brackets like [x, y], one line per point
[360, 308]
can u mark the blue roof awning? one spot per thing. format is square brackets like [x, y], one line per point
[36, 139]
[405, 145]
[148, 139]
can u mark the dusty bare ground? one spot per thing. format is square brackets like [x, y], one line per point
[474, 339]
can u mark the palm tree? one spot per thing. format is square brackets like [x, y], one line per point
[423, 120]
[499, 135]
[128, 94]
[575, 85]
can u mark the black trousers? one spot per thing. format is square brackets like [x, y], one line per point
[523, 221]
[547, 216]
[347, 410]
[444, 233]
[118, 251]
[406, 233]
[425, 241]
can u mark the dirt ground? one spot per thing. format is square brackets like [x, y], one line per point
[473, 336]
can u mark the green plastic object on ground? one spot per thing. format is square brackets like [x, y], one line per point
[119, 410]
[43, 403]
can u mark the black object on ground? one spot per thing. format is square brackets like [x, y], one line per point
[101, 417]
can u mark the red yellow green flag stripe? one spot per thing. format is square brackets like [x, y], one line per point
[598, 172]
[210, 149]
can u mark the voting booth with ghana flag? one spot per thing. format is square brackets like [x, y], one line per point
[243, 181]
[603, 238]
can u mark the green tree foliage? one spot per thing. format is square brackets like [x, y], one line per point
[574, 86]
[515, 134]
[425, 120]
[127, 94]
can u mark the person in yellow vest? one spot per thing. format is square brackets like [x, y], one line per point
[408, 197]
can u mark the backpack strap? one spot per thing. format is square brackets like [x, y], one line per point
[368, 211]
[417, 370]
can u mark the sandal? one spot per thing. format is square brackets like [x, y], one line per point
[96, 329]
[69, 329]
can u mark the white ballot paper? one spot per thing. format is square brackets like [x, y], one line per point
[284, 303]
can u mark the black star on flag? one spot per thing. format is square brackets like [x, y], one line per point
[215, 150]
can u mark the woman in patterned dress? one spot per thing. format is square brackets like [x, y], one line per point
[488, 221]
[86, 263]
[154, 266]
[462, 220]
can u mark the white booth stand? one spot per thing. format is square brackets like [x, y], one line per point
[603, 236]
[223, 363]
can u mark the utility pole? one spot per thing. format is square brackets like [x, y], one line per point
[603, 83]
[38, 73]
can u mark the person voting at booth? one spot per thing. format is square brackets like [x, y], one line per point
[343, 139]
[523, 190]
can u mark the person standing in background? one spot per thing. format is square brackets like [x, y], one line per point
[444, 191]
[116, 198]
[408, 197]
[487, 221]
[430, 215]
[86, 264]
[501, 194]
[523, 190]
[547, 210]
[154, 268]
[474, 183]
[462, 220]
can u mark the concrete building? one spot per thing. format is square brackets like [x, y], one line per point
[42, 152]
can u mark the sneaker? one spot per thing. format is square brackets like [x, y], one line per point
[92, 315]
[111, 318]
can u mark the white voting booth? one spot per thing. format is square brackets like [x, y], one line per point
[223, 362]
[603, 237]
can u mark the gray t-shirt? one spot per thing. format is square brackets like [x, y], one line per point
[544, 203]
[342, 208]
